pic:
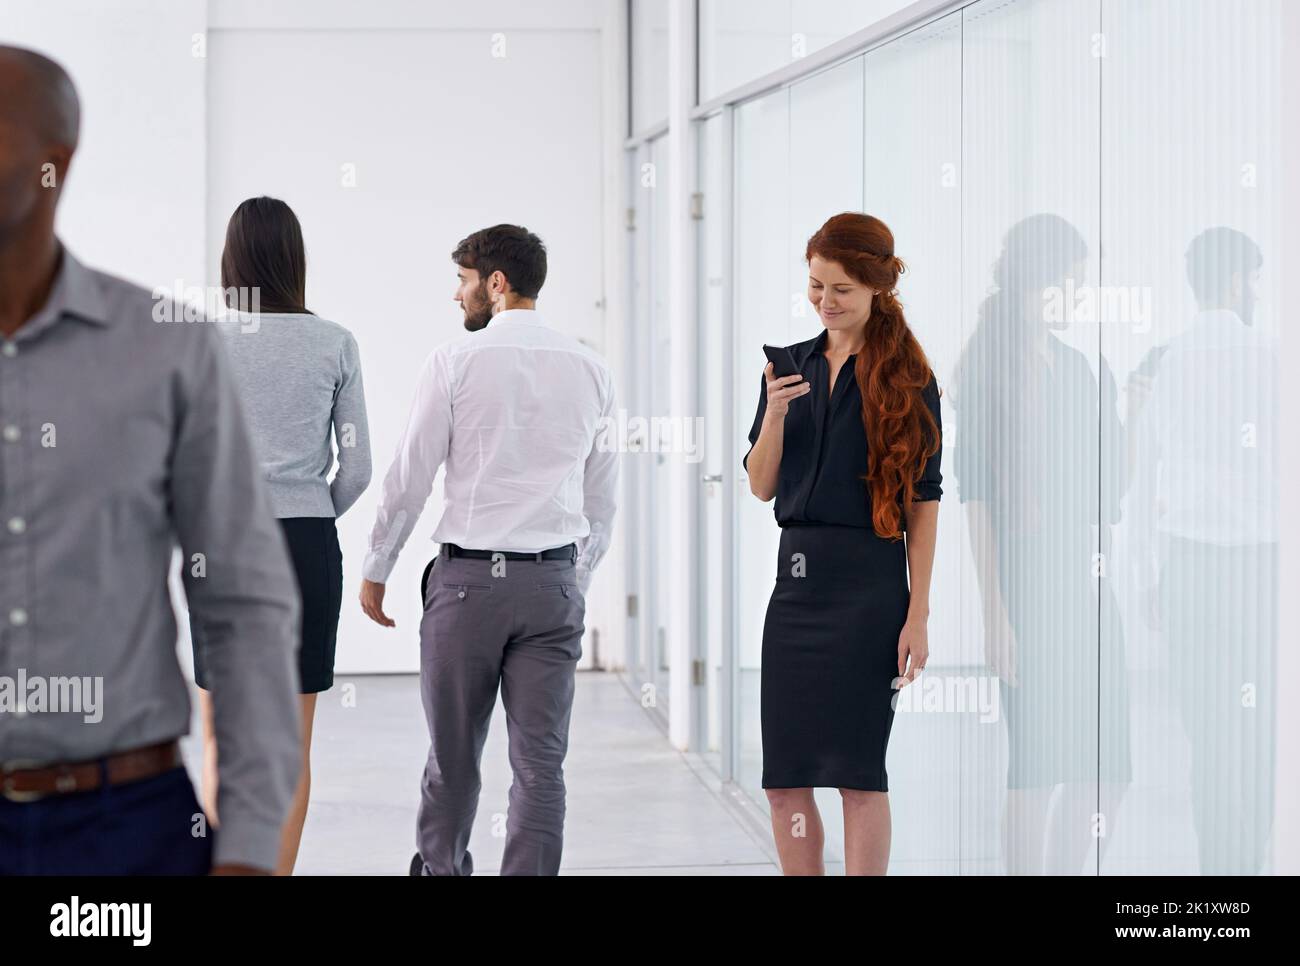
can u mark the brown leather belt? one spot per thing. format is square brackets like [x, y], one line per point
[26, 782]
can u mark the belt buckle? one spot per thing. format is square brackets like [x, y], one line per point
[6, 788]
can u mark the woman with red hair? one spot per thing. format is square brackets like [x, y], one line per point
[852, 468]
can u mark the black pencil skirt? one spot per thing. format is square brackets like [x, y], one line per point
[830, 658]
[317, 559]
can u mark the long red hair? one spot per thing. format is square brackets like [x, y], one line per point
[891, 370]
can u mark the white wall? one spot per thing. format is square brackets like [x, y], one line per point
[133, 203]
[443, 138]
[456, 115]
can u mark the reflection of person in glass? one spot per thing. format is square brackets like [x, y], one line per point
[852, 467]
[1206, 442]
[1033, 466]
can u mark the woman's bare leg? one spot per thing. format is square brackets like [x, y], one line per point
[291, 833]
[797, 830]
[866, 832]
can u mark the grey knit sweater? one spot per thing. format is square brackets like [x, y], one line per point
[300, 380]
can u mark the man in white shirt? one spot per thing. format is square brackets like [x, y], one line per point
[1204, 522]
[515, 410]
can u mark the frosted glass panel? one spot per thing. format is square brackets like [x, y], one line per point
[911, 156]
[646, 477]
[1028, 398]
[659, 366]
[762, 314]
[714, 236]
[825, 172]
[637, 476]
[1192, 170]
[1088, 199]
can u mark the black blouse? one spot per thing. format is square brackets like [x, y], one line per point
[824, 450]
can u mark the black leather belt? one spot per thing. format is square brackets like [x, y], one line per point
[567, 552]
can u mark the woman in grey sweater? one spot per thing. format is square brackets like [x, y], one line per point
[300, 382]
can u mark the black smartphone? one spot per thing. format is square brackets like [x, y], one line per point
[782, 361]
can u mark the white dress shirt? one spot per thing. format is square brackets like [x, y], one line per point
[515, 410]
[1209, 434]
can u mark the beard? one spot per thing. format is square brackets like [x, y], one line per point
[478, 309]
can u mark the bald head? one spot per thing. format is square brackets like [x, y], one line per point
[39, 118]
[37, 95]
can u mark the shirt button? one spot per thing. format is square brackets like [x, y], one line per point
[10, 349]
[11, 433]
[461, 594]
[18, 617]
[17, 524]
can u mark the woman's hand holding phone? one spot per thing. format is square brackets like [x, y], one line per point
[780, 390]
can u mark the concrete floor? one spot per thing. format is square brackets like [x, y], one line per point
[635, 805]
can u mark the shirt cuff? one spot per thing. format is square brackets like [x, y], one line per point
[246, 841]
[378, 567]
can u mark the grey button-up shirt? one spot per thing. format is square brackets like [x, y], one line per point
[121, 436]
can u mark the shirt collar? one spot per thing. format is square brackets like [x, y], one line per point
[528, 316]
[75, 293]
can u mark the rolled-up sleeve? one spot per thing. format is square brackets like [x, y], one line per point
[421, 451]
[243, 602]
[930, 486]
[600, 492]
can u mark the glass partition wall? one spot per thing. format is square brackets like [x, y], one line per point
[720, 480]
[648, 464]
[1191, 220]
[1086, 195]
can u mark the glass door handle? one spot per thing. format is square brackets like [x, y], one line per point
[711, 478]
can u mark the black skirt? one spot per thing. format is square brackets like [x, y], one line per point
[830, 658]
[313, 544]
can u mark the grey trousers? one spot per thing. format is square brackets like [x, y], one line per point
[517, 624]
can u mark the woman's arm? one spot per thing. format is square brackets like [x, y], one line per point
[923, 515]
[351, 432]
[764, 460]
[914, 641]
[922, 533]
